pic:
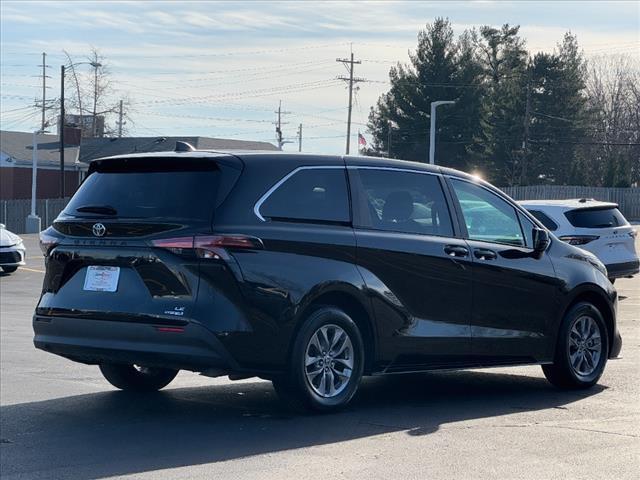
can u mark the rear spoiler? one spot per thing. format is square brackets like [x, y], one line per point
[174, 162]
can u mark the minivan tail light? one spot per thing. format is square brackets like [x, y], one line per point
[208, 246]
[47, 241]
[579, 239]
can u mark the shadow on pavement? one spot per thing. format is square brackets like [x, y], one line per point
[114, 433]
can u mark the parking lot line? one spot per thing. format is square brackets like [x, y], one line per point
[31, 270]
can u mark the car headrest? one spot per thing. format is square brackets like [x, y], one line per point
[398, 207]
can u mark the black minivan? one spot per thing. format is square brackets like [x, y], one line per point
[312, 271]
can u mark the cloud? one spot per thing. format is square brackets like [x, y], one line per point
[224, 51]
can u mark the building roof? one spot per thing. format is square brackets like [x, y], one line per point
[93, 148]
[19, 147]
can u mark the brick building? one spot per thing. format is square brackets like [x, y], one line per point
[16, 153]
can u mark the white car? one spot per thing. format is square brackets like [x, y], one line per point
[598, 227]
[11, 250]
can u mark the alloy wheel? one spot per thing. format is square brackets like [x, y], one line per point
[585, 345]
[329, 361]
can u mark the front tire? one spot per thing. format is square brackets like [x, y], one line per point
[137, 379]
[9, 269]
[325, 365]
[582, 349]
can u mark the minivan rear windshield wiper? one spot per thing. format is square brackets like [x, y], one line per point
[100, 209]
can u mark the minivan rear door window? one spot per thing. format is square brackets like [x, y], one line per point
[398, 201]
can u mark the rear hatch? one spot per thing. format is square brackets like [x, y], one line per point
[110, 254]
[604, 231]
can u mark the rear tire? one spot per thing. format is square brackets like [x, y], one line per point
[325, 365]
[9, 269]
[137, 379]
[582, 349]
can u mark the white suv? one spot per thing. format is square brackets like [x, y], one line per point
[596, 226]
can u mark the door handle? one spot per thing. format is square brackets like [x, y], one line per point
[456, 251]
[485, 254]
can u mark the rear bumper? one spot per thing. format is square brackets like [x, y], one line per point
[101, 341]
[625, 269]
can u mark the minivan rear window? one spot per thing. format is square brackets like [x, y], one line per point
[596, 218]
[161, 194]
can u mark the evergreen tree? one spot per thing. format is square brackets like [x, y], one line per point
[441, 68]
[559, 116]
[498, 148]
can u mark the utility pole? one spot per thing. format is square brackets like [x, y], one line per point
[44, 66]
[279, 124]
[351, 80]
[300, 138]
[527, 120]
[120, 121]
[61, 132]
[389, 139]
[95, 66]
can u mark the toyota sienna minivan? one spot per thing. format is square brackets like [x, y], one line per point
[312, 271]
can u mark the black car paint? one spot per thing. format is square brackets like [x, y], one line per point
[419, 307]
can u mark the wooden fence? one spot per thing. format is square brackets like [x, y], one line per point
[14, 212]
[627, 198]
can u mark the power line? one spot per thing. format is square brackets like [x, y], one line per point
[200, 55]
[246, 94]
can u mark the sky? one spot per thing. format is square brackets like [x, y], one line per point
[220, 69]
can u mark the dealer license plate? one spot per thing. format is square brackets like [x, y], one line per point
[101, 279]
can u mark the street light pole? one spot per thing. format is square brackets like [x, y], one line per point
[32, 224]
[61, 131]
[432, 130]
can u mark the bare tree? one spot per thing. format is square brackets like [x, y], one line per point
[614, 99]
[91, 91]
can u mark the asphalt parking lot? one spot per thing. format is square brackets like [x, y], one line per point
[60, 419]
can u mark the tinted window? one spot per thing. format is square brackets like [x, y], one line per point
[488, 217]
[402, 202]
[596, 218]
[310, 195]
[167, 195]
[544, 219]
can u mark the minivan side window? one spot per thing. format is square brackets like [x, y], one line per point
[314, 194]
[487, 217]
[399, 201]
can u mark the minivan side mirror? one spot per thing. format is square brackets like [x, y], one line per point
[541, 240]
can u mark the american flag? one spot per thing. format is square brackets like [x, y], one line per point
[361, 141]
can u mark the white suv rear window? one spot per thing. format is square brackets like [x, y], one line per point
[596, 218]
